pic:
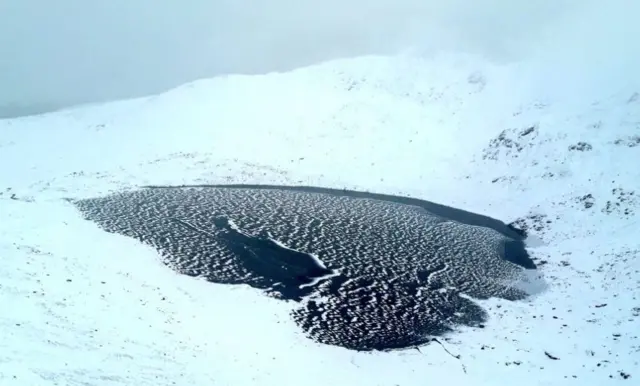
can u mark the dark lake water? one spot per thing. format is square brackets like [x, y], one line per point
[368, 271]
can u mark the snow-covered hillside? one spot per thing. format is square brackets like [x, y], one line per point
[82, 306]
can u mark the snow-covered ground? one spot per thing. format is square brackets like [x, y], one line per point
[79, 306]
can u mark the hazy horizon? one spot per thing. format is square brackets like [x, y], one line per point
[78, 51]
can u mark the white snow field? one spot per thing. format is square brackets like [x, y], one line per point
[550, 143]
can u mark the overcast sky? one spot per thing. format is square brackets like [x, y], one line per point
[65, 52]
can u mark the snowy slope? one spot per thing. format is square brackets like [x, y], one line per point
[81, 306]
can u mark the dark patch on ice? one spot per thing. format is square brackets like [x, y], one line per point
[294, 272]
[369, 271]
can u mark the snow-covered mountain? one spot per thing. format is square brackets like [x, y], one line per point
[546, 138]
[82, 306]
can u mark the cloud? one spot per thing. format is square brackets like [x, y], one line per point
[66, 52]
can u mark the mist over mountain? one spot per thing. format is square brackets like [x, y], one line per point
[68, 52]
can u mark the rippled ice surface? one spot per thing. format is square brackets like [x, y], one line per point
[369, 272]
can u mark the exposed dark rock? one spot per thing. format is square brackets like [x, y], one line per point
[509, 143]
[555, 358]
[623, 203]
[527, 131]
[631, 141]
[581, 146]
[532, 222]
[587, 200]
